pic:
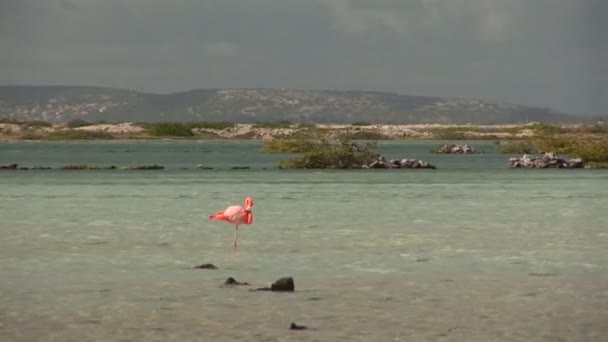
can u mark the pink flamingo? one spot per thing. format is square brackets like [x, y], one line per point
[236, 215]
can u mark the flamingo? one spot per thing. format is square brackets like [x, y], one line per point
[236, 215]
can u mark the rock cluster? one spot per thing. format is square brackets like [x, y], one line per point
[9, 167]
[548, 160]
[455, 149]
[17, 167]
[82, 167]
[285, 284]
[382, 163]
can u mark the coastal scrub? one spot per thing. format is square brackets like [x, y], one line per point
[333, 155]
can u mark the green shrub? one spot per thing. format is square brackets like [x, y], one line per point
[597, 129]
[220, 125]
[360, 123]
[172, 129]
[77, 134]
[515, 147]
[334, 155]
[31, 135]
[591, 150]
[449, 133]
[6, 120]
[77, 123]
[545, 129]
[554, 144]
[37, 123]
[289, 146]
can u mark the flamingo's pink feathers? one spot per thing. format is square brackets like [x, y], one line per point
[236, 214]
[218, 216]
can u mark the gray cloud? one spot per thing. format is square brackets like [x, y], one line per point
[543, 52]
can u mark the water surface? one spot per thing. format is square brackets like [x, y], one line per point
[472, 251]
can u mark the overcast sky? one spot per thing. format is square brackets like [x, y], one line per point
[549, 53]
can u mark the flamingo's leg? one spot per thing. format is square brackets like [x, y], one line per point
[236, 236]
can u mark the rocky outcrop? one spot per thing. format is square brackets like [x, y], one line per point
[84, 167]
[294, 326]
[15, 166]
[548, 160]
[454, 149]
[382, 163]
[231, 281]
[206, 267]
[145, 167]
[80, 167]
[9, 167]
[285, 284]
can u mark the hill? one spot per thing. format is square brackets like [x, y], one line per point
[60, 104]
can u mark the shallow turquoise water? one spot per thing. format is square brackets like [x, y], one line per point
[471, 251]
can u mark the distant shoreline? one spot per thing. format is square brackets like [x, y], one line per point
[129, 131]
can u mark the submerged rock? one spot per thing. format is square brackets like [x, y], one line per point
[285, 284]
[79, 167]
[146, 167]
[207, 267]
[294, 326]
[232, 281]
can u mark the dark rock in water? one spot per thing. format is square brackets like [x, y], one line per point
[9, 167]
[241, 167]
[79, 167]
[41, 168]
[147, 167]
[283, 285]
[202, 167]
[232, 281]
[206, 267]
[294, 326]
[24, 168]
[422, 259]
